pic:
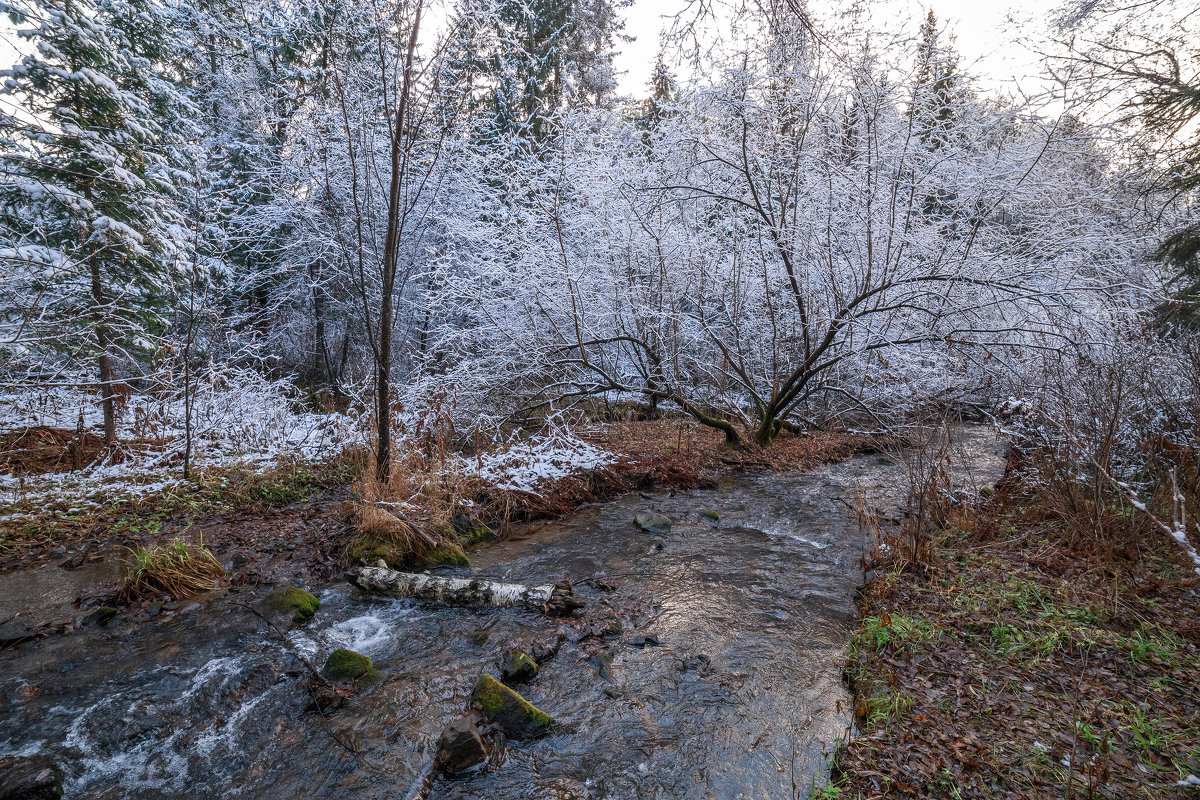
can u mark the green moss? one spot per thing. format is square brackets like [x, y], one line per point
[445, 554]
[518, 667]
[370, 550]
[470, 530]
[710, 514]
[344, 664]
[513, 713]
[288, 598]
[104, 614]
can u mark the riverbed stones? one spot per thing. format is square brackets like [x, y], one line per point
[460, 747]
[602, 663]
[297, 602]
[515, 715]
[543, 650]
[653, 522]
[30, 778]
[347, 665]
[516, 666]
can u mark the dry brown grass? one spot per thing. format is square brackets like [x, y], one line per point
[429, 495]
[177, 568]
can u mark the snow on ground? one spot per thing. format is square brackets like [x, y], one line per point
[239, 419]
[527, 466]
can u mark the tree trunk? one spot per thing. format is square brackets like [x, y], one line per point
[556, 600]
[383, 367]
[105, 360]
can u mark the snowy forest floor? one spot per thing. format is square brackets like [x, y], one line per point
[1018, 663]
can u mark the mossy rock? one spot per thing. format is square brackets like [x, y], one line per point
[517, 666]
[347, 665]
[445, 554]
[709, 513]
[471, 530]
[369, 550]
[515, 715]
[298, 602]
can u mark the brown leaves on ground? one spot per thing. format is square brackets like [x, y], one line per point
[40, 449]
[1017, 667]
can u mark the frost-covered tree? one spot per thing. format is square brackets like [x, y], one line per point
[1144, 58]
[91, 225]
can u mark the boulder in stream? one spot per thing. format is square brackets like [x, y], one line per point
[347, 665]
[653, 522]
[460, 747]
[516, 666]
[297, 602]
[515, 715]
[31, 778]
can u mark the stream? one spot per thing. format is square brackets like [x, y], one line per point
[741, 698]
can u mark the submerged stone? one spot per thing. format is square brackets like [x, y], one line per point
[31, 778]
[602, 663]
[515, 715]
[517, 666]
[347, 665]
[460, 747]
[710, 513]
[299, 603]
[653, 522]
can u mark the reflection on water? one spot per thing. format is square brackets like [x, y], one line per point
[741, 698]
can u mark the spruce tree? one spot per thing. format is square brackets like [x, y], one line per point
[87, 202]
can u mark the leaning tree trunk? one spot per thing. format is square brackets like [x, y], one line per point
[556, 600]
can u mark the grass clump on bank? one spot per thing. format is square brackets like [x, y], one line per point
[177, 568]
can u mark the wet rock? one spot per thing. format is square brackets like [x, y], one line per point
[697, 663]
[297, 602]
[602, 663]
[611, 627]
[647, 640]
[653, 522]
[239, 559]
[709, 513]
[13, 632]
[101, 616]
[33, 778]
[153, 610]
[545, 649]
[325, 700]
[515, 715]
[347, 665]
[460, 747]
[516, 666]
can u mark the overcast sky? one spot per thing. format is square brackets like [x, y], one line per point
[984, 36]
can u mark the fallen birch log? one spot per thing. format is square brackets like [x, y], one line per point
[556, 600]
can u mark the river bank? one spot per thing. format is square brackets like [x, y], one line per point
[1020, 661]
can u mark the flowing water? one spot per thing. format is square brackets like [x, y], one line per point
[741, 698]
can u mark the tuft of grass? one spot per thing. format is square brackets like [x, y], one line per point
[899, 632]
[178, 568]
